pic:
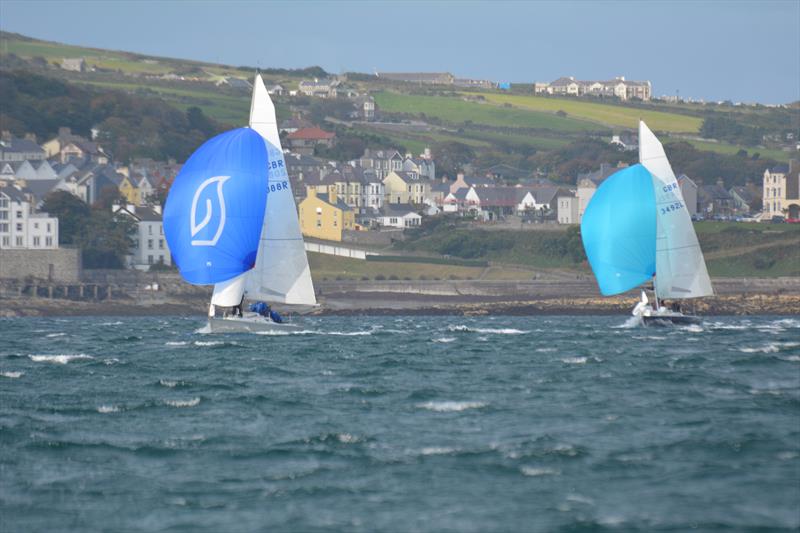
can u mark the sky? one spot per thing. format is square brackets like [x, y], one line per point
[715, 50]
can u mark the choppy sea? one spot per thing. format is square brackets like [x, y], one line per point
[400, 424]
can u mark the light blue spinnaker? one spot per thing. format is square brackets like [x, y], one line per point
[215, 208]
[618, 230]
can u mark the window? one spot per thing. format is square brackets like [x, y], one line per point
[48, 241]
[3, 215]
[19, 227]
[35, 225]
[161, 230]
[3, 228]
[3, 202]
[19, 241]
[149, 259]
[150, 244]
[37, 242]
[319, 223]
[160, 244]
[49, 229]
[149, 230]
[6, 241]
[19, 214]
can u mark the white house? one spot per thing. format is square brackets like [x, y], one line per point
[399, 216]
[567, 211]
[20, 227]
[150, 245]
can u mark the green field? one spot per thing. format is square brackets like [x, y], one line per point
[725, 148]
[458, 111]
[615, 116]
[329, 267]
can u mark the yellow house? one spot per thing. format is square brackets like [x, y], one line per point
[129, 191]
[406, 188]
[324, 216]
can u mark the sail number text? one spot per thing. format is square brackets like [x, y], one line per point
[284, 185]
[674, 206]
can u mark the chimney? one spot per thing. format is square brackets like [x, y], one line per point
[30, 136]
[157, 208]
[332, 194]
[311, 191]
[460, 176]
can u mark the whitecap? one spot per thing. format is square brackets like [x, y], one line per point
[693, 328]
[110, 361]
[204, 330]
[772, 347]
[545, 350]
[574, 360]
[208, 343]
[117, 323]
[51, 335]
[786, 456]
[176, 343]
[792, 358]
[534, 472]
[436, 450]
[347, 438]
[183, 403]
[108, 409]
[497, 331]
[169, 383]
[444, 339]
[12, 375]
[631, 322]
[61, 359]
[451, 406]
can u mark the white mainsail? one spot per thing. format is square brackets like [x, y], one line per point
[680, 267]
[281, 274]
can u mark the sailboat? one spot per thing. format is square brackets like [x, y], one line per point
[232, 202]
[636, 228]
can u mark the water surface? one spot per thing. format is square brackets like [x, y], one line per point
[400, 424]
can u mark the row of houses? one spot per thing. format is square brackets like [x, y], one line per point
[618, 87]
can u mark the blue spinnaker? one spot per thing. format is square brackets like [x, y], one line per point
[618, 230]
[215, 208]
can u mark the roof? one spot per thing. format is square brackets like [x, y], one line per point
[744, 193]
[546, 195]
[504, 170]
[339, 203]
[14, 194]
[311, 134]
[300, 160]
[713, 192]
[479, 181]
[398, 210]
[16, 145]
[408, 177]
[40, 188]
[497, 196]
[598, 176]
[779, 169]
[440, 186]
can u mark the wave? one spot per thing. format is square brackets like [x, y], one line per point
[497, 331]
[182, 403]
[51, 335]
[631, 322]
[444, 340]
[574, 360]
[176, 343]
[772, 347]
[315, 332]
[61, 359]
[12, 375]
[169, 383]
[117, 323]
[437, 450]
[108, 409]
[534, 472]
[449, 406]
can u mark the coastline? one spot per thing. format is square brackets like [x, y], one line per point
[348, 304]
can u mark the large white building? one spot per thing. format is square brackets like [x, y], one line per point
[20, 227]
[149, 244]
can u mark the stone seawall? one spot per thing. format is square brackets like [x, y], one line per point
[60, 265]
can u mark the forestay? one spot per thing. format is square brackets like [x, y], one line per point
[681, 269]
[281, 274]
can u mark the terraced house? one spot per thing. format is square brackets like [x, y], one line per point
[781, 189]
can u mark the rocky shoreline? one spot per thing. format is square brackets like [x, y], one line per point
[411, 304]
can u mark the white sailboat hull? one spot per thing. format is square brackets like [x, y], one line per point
[249, 323]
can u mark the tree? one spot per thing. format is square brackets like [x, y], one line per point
[72, 214]
[451, 156]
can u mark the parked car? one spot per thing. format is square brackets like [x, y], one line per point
[793, 220]
[777, 219]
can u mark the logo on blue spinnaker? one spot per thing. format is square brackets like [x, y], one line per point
[195, 226]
